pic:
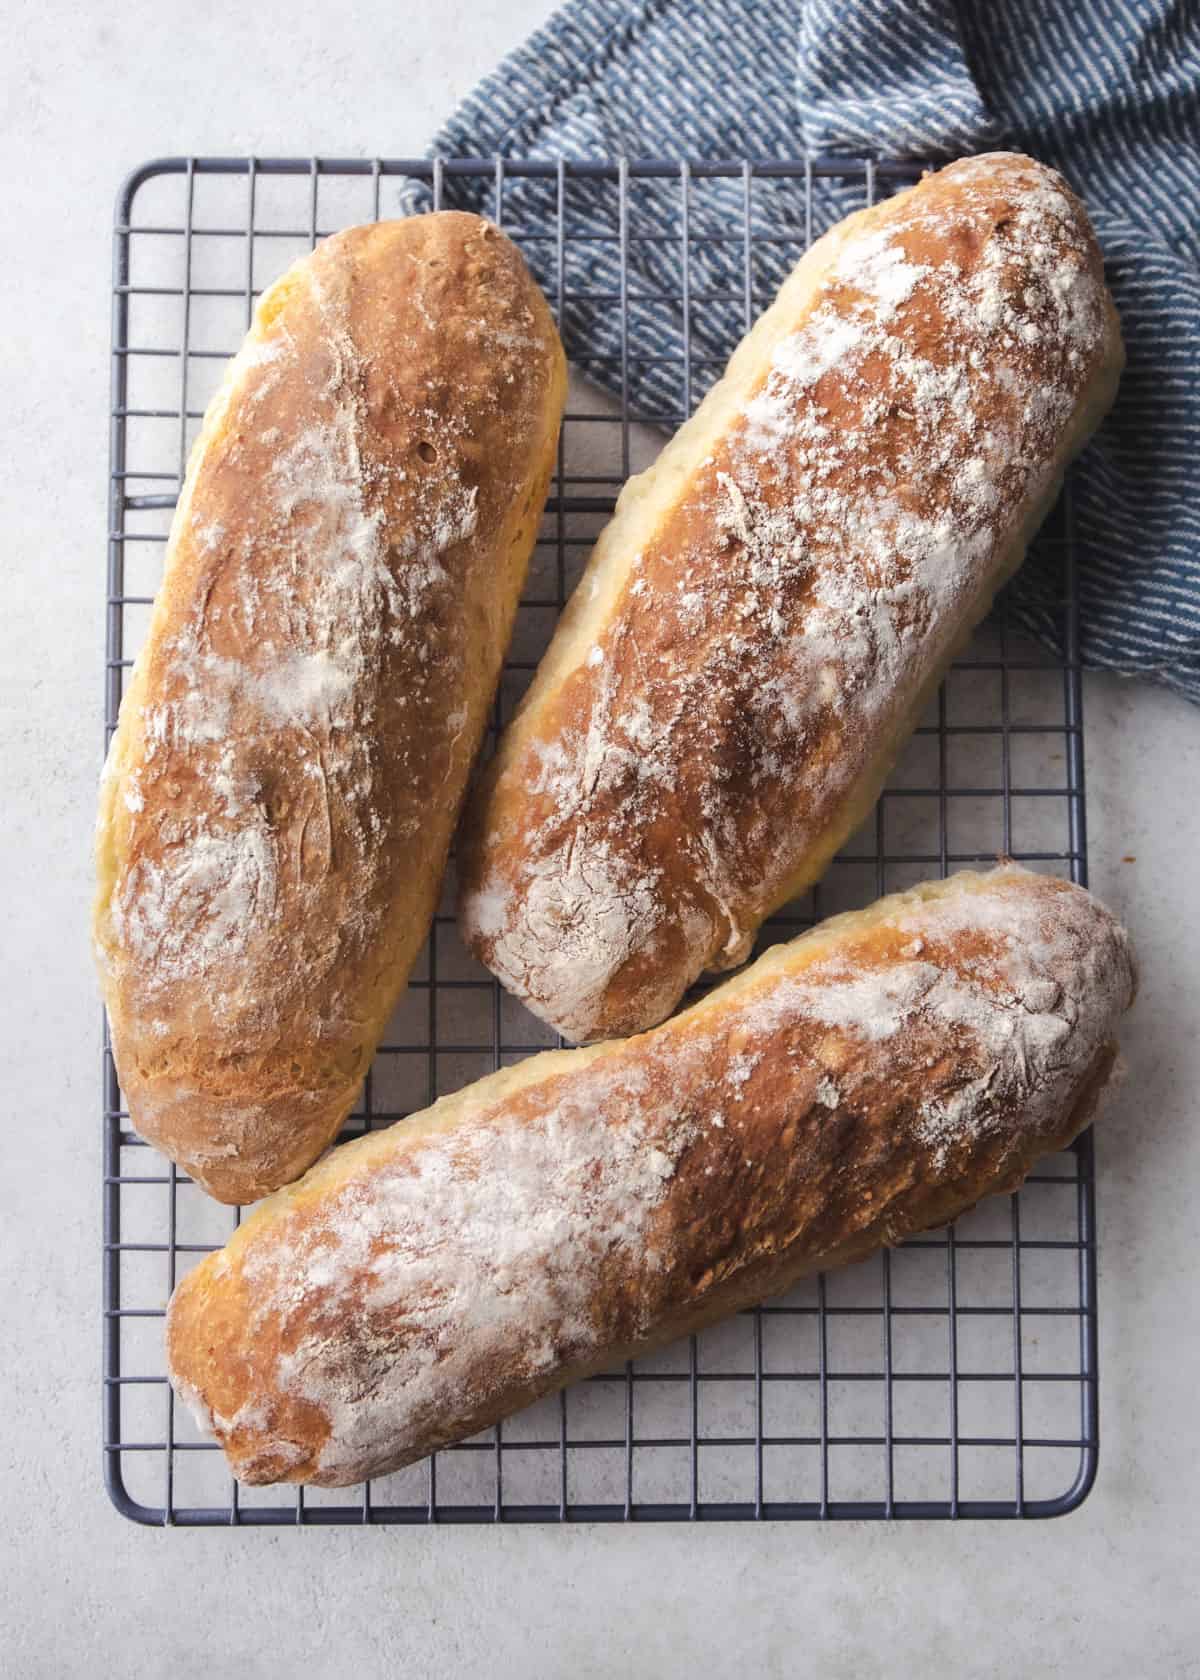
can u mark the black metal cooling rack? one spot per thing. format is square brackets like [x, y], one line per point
[955, 1376]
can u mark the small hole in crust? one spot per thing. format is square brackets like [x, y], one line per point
[426, 450]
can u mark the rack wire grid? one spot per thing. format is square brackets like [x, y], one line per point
[954, 1376]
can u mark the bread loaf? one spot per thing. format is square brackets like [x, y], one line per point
[341, 579]
[762, 622]
[871, 1079]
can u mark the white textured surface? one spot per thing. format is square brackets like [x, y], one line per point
[1106, 1592]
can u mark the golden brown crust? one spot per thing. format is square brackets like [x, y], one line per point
[341, 579]
[871, 1079]
[761, 621]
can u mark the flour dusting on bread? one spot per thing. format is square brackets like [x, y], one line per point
[341, 577]
[825, 545]
[863, 1082]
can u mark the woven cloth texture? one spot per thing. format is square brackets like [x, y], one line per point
[1108, 91]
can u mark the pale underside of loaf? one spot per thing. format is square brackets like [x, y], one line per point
[762, 622]
[870, 1079]
[340, 583]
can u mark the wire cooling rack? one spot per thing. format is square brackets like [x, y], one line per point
[954, 1376]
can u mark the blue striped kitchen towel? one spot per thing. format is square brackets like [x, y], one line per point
[1106, 90]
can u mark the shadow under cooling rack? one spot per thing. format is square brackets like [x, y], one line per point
[954, 1376]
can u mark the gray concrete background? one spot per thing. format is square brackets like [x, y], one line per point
[87, 93]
